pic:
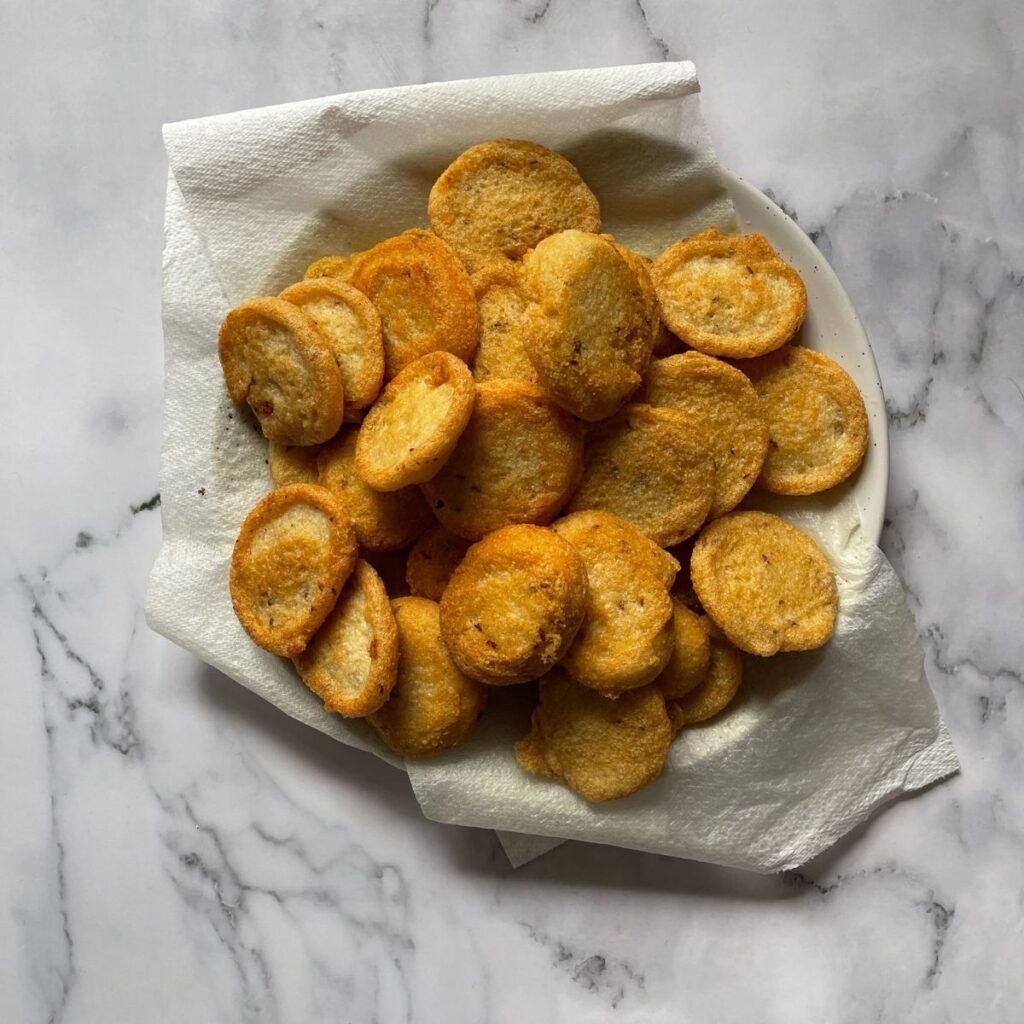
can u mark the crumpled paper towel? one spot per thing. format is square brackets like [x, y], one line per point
[253, 198]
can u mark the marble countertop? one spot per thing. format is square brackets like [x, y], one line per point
[174, 849]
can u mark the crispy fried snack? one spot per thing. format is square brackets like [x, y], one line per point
[626, 637]
[352, 661]
[691, 654]
[622, 538]
[513, 605]
[502, 306]
[517, 461]
[651, 467]
[499, 199]
[414, 426]
[433, 705]
[729, 295]
[432, 560]
[601, 748]
[817, 424]
[725, 412]
[424, 297]
[588, 330]
[717, 689]
[383, 521]
[293, 464]
[350, 324]
[641, 267]
[340, 267]
[293, 555]
[275, 358]
[764, 583]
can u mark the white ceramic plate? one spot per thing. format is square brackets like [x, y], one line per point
[831, 327]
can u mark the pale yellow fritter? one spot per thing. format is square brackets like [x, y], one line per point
[725, 412]
[499, 199]
[588, 329]
[351, 663]
[350, 324]
[626, 638]
[432, 560]
[817, 423]
[423, 295]
[293, 555]
[276, 359]
[651, 467]
[691, 653]
[415, 424]
[603, 749]
[513, 605]
[502, 306]
[384, 521]
[719, 686]
[517, 461]
[729, 295]
[433, 705]
[764, 583]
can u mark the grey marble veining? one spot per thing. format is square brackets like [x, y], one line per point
[173, 849]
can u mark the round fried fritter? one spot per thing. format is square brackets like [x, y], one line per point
[293, 464]
[601, 748]
[432, 560]
[720, 684]
[293, 555]
[764, 583]
[651, 467]
[691, 653]
[424, 298]
[725, 412]
[729, 295]
[414, 426]
[513, 605]
[499, 199]
[433, 705]
[275, 358]
[350, 324]
[817, 424]
[626, 638]
[384, 521]
[621, 539]
[340, 267]
[641, 267]
[517, 461]
[587, 331]
[352, 661]
[502, 306]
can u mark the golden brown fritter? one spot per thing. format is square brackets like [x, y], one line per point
[292, 464]
[501, 304]
[718, 688]
[691, 653]
[432, 560]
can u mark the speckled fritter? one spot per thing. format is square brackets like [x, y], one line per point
[601, 748]
[652, 468]
[691, 653]
[513, 605]
[433, 705]
[641, 267]
[499, 199]
[717, 689]
[276, 359]
[626, 638]
[587, 331]
[350, 324]
[501, 304]
[352, 661]
[764, 583]
[292, 464]
[517, 461]
[432, 560]
[415, 424]
[384, 521]
[293, 555]
[725, 412]
[817, 424]
[423, 295]
[729, 295]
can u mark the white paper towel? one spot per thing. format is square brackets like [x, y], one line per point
[255, 196]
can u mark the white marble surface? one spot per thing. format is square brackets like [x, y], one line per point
[173, 849]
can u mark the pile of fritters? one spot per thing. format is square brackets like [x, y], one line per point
[481, 402]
